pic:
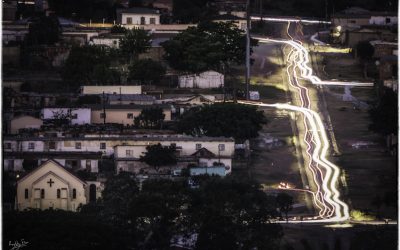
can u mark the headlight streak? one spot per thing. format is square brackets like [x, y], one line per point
[284, 19]
[325, 173]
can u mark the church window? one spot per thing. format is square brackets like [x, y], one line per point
[58, 193]
[26, 193]
[42, 194]
[74, 193]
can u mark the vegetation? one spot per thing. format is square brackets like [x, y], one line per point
[90, 65]
[193, 11]
[209, 46]
[158, 155]
[384, 114]
[150, 118]
[134, 42]
[365, 50]
[118, 29]
[227, 119]
[44, 30]
[146, 71]
[285, 203]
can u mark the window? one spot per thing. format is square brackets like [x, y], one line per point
[129, 116]
[42, 194]
[58, 193]
[173, 145]
[103, 115]
[26, 193]
[102, 145]
[52, 145]
[142, 20]
[221, 147]
[387, 20]
[129, 20]
[198, 146]
[74, 116]
[74, 193]
[129, 152]
[152, 20]
[31, 145]
[78, 145]
[89, 165]
[7, 145]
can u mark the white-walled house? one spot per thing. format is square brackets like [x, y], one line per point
[77, 116]
[111, 89]
[205, 80]
[24, 121]
[383, 19]
[51, 186]
[126, 149]
[138, 16]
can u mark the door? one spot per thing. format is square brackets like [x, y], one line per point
[64, 199]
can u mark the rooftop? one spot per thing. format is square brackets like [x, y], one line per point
[138, 11]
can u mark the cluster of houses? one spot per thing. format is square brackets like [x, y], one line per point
[97, 137]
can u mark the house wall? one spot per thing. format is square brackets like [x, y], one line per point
[107, 41]
[121, 116]
[62, 180]
[24, 122]
[350, 22]
[383, 20]
[136, 18]
[96, 90]
[205, 80]
[83, 114]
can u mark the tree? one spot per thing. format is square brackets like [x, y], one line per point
[365, 50]
[384, 115]
[146, 71]
[150, 118]
[89, 65]
[193, 11]
[209, 46]
[285, 203]
[44, 30]
[241, 122]
[117, 29]
[134, 42]
[158, 155]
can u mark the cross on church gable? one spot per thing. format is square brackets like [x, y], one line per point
[50, 182]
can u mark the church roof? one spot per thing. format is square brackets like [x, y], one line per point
[55, 164]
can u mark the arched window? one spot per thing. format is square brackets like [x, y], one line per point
[58, 193]
[42, 194]
[142, 20]
[74, 193]
[26, 193]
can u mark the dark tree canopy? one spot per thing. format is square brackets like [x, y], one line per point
[150, 118]
[158, 155]
[44, 30]
[285, 203]
[89, 65]
[227, 119]
[365, 50]
[146, 71]
[134, 42]
[193, 11]
[209, 46]
[116, 29]
[384, 114]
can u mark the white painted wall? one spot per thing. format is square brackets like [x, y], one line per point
[83, 115]
[106, 41]
[96, 90]
[205, 80]
[381, 20]
[136, 18]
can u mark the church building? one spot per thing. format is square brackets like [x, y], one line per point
[52, 186]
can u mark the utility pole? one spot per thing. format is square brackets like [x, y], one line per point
[247, 49]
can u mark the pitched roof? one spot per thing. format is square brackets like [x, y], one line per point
[56, 163]
[203, 152]
[138, 11]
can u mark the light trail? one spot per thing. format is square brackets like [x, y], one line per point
[305, 70]
[325, 174]
[289, 19]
